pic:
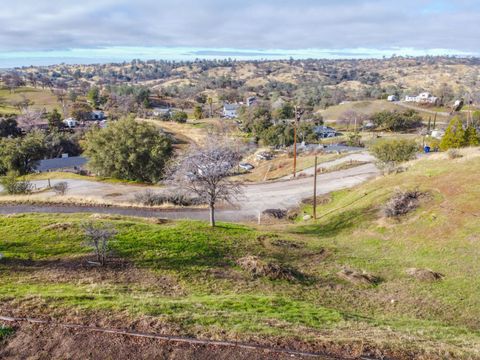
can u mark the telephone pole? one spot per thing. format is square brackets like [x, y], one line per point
[298, 115]
[315, 190]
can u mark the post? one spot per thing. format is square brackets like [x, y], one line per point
[295, 150]
[315, 190]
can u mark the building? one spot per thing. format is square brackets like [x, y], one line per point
[70, 123]
[252, 100]
[423, 98]
[161, 112]
[230, 110]
[392, 98]
[65, 163]
[325, 131]
[97, 115]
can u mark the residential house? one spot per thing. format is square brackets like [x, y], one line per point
[65, 163]
[161, 112]
[230, 110]
[392, 98]
[97, 115]
[325, 131]
[70, 123]
[423, 98]
[252, 100]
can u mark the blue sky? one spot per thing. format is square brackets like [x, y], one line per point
[45, 31]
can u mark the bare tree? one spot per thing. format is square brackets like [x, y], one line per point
[60, 188]
[28, 119]
[205, 171]
[99, 237]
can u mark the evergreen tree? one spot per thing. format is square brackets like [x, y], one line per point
[471, 136]
[454, 137]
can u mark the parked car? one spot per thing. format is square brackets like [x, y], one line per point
[246, 166]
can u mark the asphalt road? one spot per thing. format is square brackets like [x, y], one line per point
[282, 194]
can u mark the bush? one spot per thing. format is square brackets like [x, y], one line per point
[60, 188]
[401, 203]
[393, 152]
[180, 117]
[454, 154]
[99, 237]
[13, 186]
[150, 198]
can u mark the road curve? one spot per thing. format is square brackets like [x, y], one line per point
[255, 198]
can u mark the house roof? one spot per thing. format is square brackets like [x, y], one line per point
[230, 107]
[61, 163]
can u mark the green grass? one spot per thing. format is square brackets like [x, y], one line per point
[5, 332]
[56, 175]
[184, 274]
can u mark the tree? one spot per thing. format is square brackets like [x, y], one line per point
[205, 170]
[454, 137]
[390, 153]
[180, 117]
[55, 120]
[13, 185]
[471, 136]
[198, 112]
[22, 154]
[9, 127]
[397, 121]
[278, 135]
[285, 111]
[93, 96]
[128, 150]
[81, 111]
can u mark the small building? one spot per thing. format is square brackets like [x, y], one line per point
[70, 123]
[325, 131]
[65, 163]
[230, 110]
[252, 100]
[97, 115]
[423, 98]
[392, 98]
[161, 112]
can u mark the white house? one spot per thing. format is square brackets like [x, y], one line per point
[392, 98]
[230, 110]
[423, 98]
[70, 123]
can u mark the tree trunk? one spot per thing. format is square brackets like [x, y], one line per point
[212, 215]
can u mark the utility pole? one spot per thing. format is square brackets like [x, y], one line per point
[298, 115]
[315, 190]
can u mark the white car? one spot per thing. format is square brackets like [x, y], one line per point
[246, 166]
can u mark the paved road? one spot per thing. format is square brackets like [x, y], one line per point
[282, 194]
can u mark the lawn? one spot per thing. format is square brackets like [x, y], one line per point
[182, 277]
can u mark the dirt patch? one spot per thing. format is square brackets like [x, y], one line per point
[321, 200]
[358, 277]
[424, 274]
[278, 214]
[81, 271]
[39, 342]
[260, 268]
[403, 202]
[59, 226]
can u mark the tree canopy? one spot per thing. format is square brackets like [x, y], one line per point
[128, 150]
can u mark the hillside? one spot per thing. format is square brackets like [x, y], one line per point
[184, 278]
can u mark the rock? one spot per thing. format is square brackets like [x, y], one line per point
[357, 277]
[275, 213]
[306, 217]
[424, 274]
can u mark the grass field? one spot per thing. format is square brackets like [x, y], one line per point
[42, 98]
[182, 277]
[368, 108]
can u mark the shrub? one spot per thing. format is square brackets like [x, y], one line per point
[150, 198]
[99, 237]
[60, 188]
[13, 186]
[180, 117]
[393, 152]
[401, 203]
[454, 154]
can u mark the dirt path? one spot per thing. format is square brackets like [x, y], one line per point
[35, 338]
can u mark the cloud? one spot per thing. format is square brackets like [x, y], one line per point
[42, 25]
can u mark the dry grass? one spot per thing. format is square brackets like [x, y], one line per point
[41, 98]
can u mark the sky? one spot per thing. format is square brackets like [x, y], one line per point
[42, 32]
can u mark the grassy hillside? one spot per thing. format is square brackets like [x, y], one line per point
[41, 99]
[183, 277]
